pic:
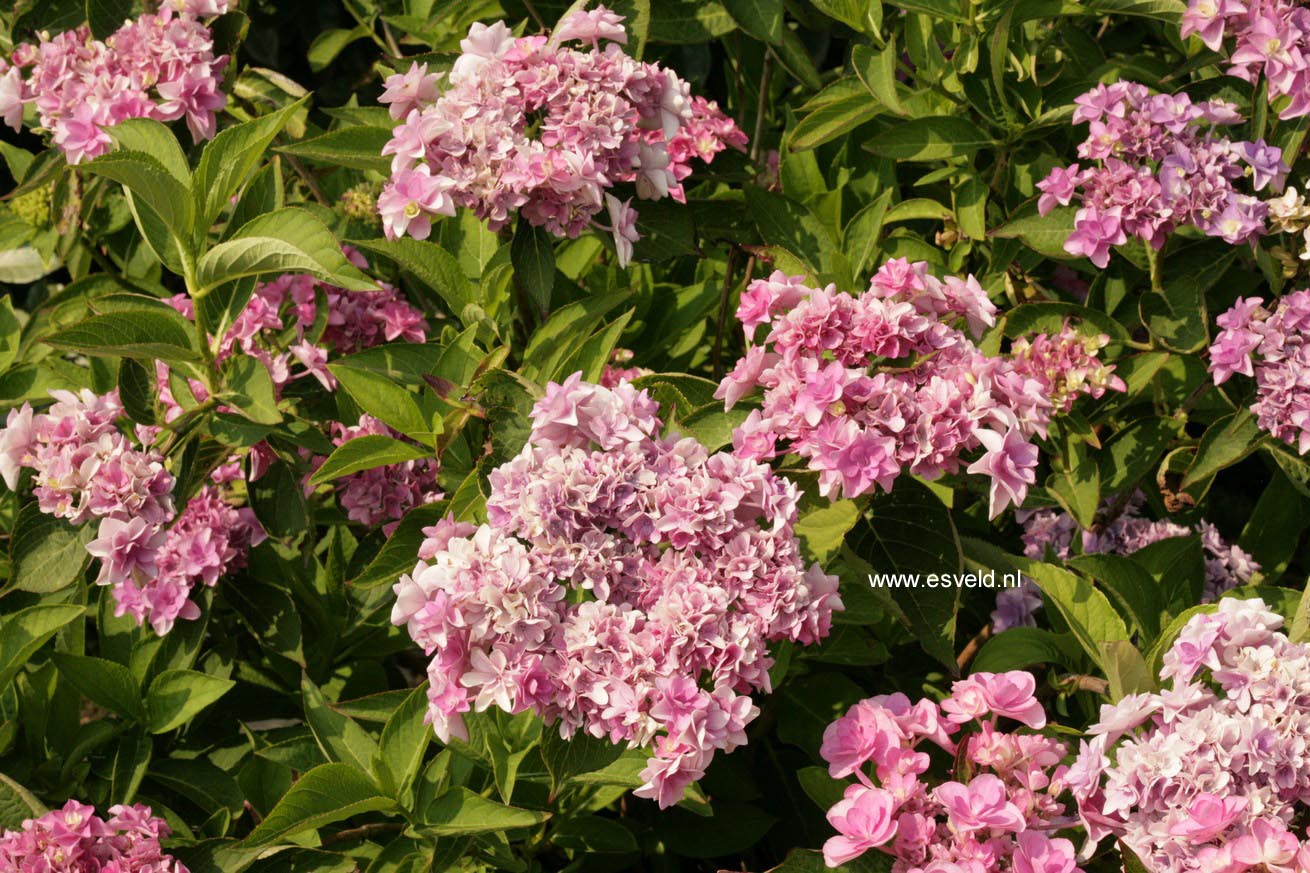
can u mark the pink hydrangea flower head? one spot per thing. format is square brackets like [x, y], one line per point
[544, 129]
[1003, 818]
[1212, 774]
[625, 584]
[160, 65]
[74, 839]
[1270, 343]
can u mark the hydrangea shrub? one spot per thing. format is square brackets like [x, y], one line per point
[623, 435]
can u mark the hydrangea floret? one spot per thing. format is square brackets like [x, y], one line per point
[74, 839]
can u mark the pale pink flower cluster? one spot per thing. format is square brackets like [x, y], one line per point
[382, 495]
[1051, 533]
[1273, 346]
[1003, 816]
[73, 839]
[1213, 773]
[1272, 39]
[160, 66]
[528, 125]
[85, 469]
[281, 327]
[1161, 166]
[626, 585]
[865, 388]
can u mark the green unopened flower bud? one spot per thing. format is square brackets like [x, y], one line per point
[360, 203]
[33, 207]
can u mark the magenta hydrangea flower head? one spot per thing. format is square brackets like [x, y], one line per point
[537, 127]
[1156, 164]
[1270, 39]
[1056, 533]
[865, 388]
[1271, 343]
[1003, 817]
[1210, 773]
[74, 839]
[161, 66]
[626, 585]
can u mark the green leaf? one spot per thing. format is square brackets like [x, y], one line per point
[591, 833]
[861, 15]
[1045, 235]
[47, 554]
[290, 240]
[508, 740]
[1273, 531]
[230, 158]
[832, 120]
[106, 16]
[366, 453]
[877, 70]
[1126, 669]
[330, 43]
[107, 683]
[761, 19]
[17, 804]
[131, 760]
[404, 739]
[1084, 608]
[145, 334]
[1129, 584]
[27, 630]
[326, 794]
[552, 342]
[948, 10]
[397, 555]
[340, 737]
[569, 759]
[932, 138]
[460, 811]
[380, 396]
[150, 137]
[910, 531]
[152, 183]
[358, 147]
[177, 696]
[55, 16]
[430, 265]
[532, 254]
[1021, 648]
[1170, 11]
[784, 222]
[248, 387]
[278, 501]
[1227, 441]
[10, 334]
[823, 528]
[690, 21]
